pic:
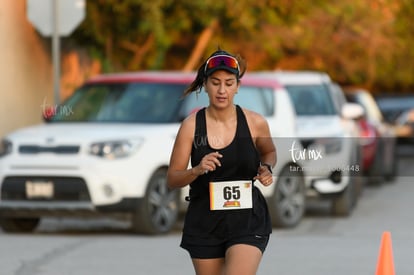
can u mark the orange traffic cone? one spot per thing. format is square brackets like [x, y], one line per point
[385, 265]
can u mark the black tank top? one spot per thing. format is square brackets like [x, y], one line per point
[240, 161]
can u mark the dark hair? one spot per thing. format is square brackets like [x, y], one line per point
[202, 75]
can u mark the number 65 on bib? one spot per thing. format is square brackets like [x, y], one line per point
[231, 195]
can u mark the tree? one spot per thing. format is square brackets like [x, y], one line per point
[363, 42]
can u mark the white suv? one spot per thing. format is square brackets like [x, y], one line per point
[329, 148]
[106, 151]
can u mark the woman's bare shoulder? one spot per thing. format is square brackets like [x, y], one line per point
[253, 116]
[188, 124]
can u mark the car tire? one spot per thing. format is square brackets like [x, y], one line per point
[390, 177]
[346, 201]
[19, 225]
[393, 170]
[158, 212]
[288, 203]
[376, 172]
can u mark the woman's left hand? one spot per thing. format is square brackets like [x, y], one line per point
[264, 176]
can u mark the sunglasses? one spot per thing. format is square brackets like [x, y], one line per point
[220, 60]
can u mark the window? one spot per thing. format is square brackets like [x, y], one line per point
[129, 102]
[311, 100]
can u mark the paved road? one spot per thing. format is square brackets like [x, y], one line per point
[320, 245]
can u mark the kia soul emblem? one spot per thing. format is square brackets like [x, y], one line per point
[50, 140]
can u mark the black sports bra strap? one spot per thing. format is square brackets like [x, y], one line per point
[243, 130]
[200, 127]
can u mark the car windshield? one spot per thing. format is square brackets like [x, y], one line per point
[125, 102]
[311, 100]
[393, 106]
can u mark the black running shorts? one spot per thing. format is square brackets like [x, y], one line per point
[200, 248]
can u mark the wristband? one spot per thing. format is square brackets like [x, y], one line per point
[269, 167]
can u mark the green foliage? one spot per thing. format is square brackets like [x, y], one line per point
[359, 42]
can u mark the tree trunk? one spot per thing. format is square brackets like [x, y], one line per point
[200, 46]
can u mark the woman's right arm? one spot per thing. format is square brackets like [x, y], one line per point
[178, 174]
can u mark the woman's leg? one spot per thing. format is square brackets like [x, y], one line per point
[209, 266]
[242, 259]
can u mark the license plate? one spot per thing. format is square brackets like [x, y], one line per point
[39, 189]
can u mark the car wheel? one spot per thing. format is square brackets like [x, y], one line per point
[19, 225]
[287, 205]
[346, 201]
[376, 171]
[359, 179]
[159, 211]
[344, 204]
[392, 170]
[390, 177]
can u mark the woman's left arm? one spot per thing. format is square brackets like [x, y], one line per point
[264, 142]
[265, 147]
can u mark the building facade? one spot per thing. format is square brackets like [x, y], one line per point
[26, 80]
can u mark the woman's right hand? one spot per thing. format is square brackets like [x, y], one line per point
[209, 163]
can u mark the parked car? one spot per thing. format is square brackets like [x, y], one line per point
[405, 127]
[393, 105]
[354, 123]
[106, 149]
[325, 131]
[380, 140]
[396, 109]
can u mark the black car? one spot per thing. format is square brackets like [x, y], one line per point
[397, 110]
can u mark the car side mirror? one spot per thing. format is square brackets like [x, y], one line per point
[352, 111]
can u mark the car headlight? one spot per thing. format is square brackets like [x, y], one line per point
[115, 149]
[5, 147]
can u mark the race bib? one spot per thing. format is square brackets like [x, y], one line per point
[230, 195]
